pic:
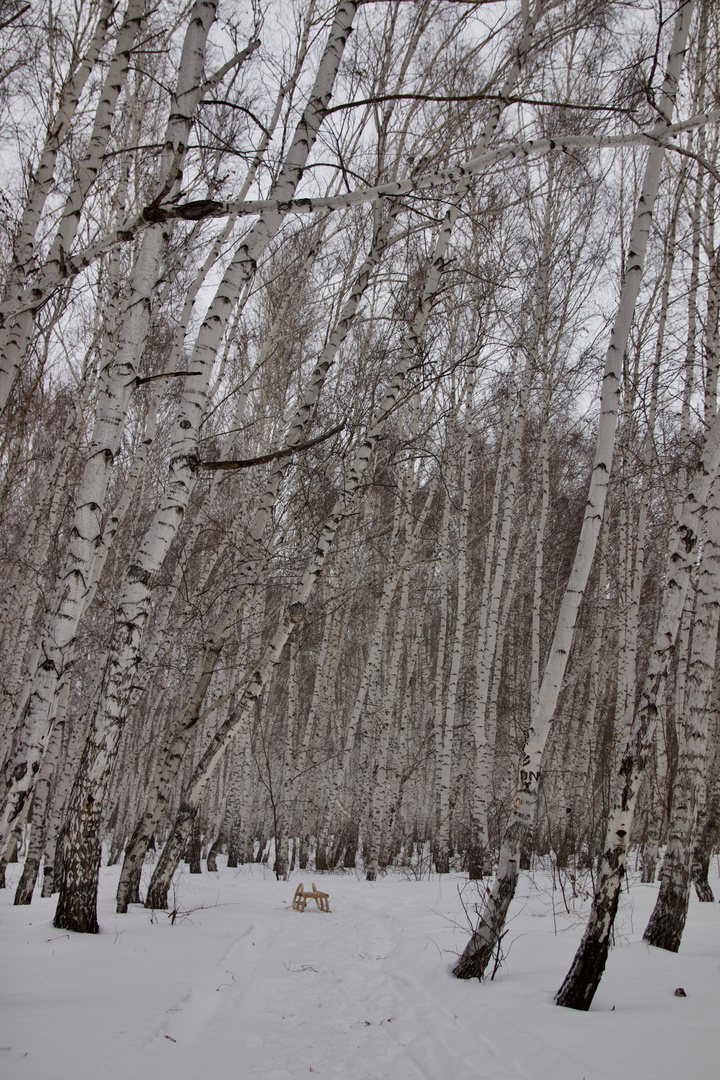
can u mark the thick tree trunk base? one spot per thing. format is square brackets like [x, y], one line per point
[321, 862]
[487, 937]
[212, 858]
[167, 864]
[649, 862]
[700, 869]
[116, 850]
[303, 851]
[195, 852]
[77, 903]
[586, 971]
[281, 864]
[350, 853]
[128, 890]
[234, 853]
[667, 922]
[526, 854]
[337, 852]
[26, 884]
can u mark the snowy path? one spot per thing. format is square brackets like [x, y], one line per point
[244, 987]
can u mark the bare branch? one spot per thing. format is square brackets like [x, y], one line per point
[263, 459]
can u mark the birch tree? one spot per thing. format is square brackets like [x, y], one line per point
[479, 949]
[76, 576]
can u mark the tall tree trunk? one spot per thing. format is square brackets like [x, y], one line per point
[480, 947]
[442, 841]
[77, 576]
[586, 971]
[667, 921]
[12, 351]
[157, 895]
[135, 602]
[254, 557]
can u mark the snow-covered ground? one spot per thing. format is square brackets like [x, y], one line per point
[241, 986]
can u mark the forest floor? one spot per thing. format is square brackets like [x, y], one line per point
[241, 986]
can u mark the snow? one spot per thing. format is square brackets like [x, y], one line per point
[241, 986]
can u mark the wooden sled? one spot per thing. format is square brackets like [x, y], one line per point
[302, 896]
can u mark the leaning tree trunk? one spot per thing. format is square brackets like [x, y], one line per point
[38, 820]
[667, 921]
[134, 605]
[480, 947]
[584, 976]
[12, 335]
[75, 583]
[254, 556]
[707, 840]
[86, 175]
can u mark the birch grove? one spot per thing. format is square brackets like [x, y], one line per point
[360, 448]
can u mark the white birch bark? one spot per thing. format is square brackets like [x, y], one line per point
[134, 605]
[338, 804]
[707, 838]
[253, 559]
[698, 94]
[479, 949]
[410, 746]
[445, 758]
[38, 815]
[491, 710]
[167, 603]
[76, 576]
[444, 550]
[70, 752]
[487, 643]
[309, 772]
[380, 823]
[69, 96]
[712, 338]
[16, 347]
[667, 921]
[585, 973]
[582, 760]
[544, 480]
[157, 895]
[207, 208]
[509, 152]
[22, 596]
[158, 891]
